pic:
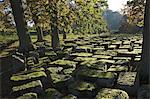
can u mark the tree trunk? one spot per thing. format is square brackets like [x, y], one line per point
[54, 28]
[25, 43]
[39, 34]
[38, 29]
[145, 65]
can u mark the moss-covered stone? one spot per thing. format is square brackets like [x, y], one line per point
[82, 54]
[107, 61]
[64, 63]
[27, 86]
[108, 52]
[117, 68]
[68, 71]
[78, 85]
[129, 82]
[55, 70]
[127, 78]
[112, 94]
[70, 96]
[28, 96]
[31, 75]
[59, 78]
[52, 94]
[85, 59]
[102, 56]
[102, 79]
[82, 89]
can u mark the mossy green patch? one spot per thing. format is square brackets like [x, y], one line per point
[82, 54]
[68, 71]
[28, 96]
[59, 77]
[55, 70]
[32, 75]
[78, 85]
[85, 59]
[28, 85]
[112, 94]
[64, 63]
[51, 93]
[96, 73]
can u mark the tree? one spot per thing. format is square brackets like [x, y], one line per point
[134, 10]
[144, 72]
[54, 25]
[35, 20]
[24, 37]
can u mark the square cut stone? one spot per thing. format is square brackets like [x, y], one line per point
[102, 56]
[82, 54]
[107, 61]
[18, 79]
[82, 89]
[34, 86]
[52, 93]
[112, 47]
[102, 79]
[107, 93]
[129, 82]
[82, 59]
[56, 78]
[63, 63]
[121, 58]
[118, 68]
[55, 70]
[28, 96]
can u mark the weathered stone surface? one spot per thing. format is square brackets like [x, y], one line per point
[102, 79]
[106, 93]
[68, 71]
[28, 76]
[102, 56]
[63, 63]
[34, 86]
[55, 70]
[59, 78]
[52, 94]
[82, 54]
[128, 81]
[28, 96]
[18, 64]
[82, 89]
[107, 61]
[70, 96]
[117, 68]
[82, 59]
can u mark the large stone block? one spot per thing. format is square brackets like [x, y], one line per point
[82, 89]
[27, 76]
[28, 96]
[34, 86]
[129, 82]
[52, 94]
[63, 63]
[107, 93]
[102, 79]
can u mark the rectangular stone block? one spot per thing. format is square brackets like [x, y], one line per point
[129, 82]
